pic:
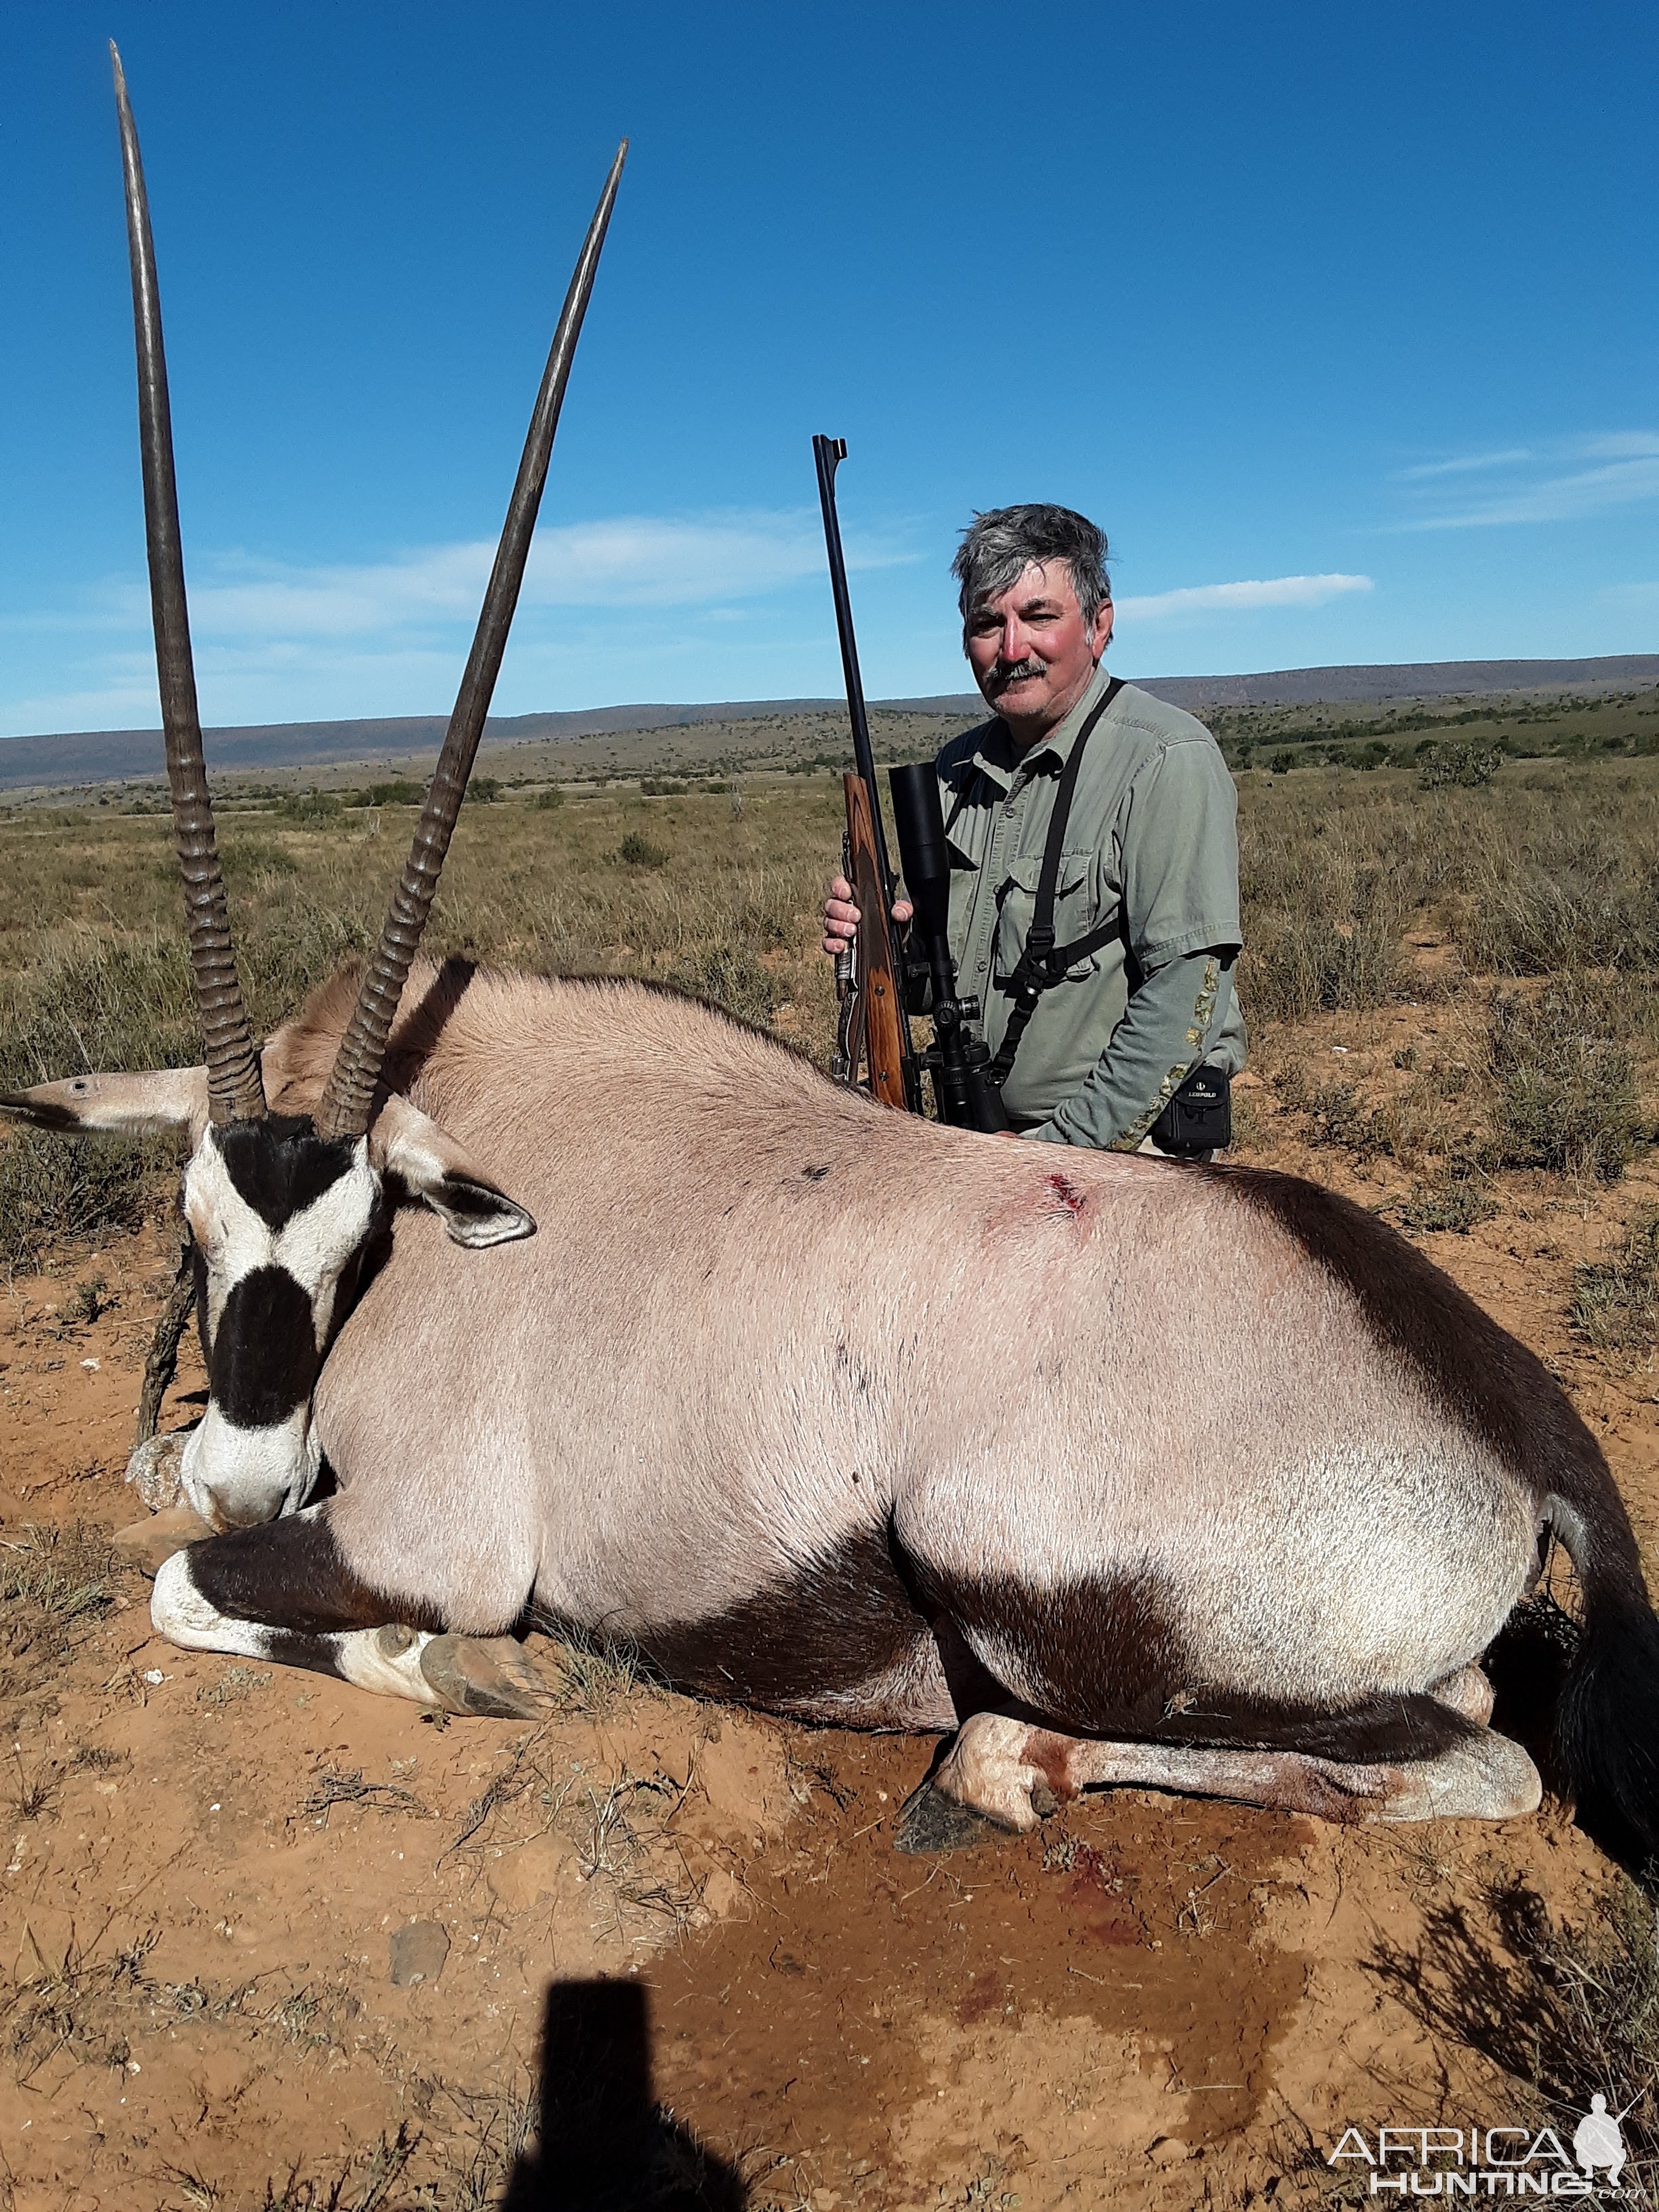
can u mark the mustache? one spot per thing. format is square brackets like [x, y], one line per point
[1017, 671]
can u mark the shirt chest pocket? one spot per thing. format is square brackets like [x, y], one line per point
[1078, 911]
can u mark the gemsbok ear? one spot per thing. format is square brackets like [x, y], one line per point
[410, 1149]
[170, 1099]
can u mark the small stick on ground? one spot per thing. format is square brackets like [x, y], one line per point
[161, 1361]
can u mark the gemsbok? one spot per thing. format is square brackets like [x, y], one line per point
[605, 1312]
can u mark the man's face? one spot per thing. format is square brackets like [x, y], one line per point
[1031, 650]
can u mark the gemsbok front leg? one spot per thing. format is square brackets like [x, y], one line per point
[284, 1591]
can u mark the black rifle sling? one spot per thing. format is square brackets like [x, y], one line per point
[1042, 963]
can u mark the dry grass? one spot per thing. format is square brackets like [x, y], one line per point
[1565, 2010]
[1542, 883]
[595, 1676]
[370, 2180]
[1564, 1081]
[1615, 1306]
[335, 1785]
[92, 972]
[619, 1825]
[55, 1584]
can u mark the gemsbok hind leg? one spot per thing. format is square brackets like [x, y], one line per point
[283, 1591]
[1011, 1772]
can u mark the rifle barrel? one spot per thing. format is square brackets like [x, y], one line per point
[828, 453]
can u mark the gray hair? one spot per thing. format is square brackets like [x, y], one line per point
[999, 546]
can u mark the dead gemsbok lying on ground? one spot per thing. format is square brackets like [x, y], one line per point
[1124, 1471]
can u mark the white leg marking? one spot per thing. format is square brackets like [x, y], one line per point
[180, 1611]
[1485, 1777]
[986, 1769]
[387, 1659]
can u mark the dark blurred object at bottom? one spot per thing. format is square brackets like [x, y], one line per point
[603, 2144]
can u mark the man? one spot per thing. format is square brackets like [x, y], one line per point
[1097, 1042]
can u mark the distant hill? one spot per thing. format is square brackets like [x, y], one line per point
[116, 756]
[1407, 679]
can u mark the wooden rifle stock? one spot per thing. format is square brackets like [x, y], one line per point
[876, 985]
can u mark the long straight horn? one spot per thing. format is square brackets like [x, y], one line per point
[235, 1090]
[347, 1102]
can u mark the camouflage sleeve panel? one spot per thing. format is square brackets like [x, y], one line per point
[1166, 1029]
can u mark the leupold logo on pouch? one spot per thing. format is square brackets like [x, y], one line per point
[1490, 2161]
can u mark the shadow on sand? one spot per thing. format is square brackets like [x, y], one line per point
[605, 2144]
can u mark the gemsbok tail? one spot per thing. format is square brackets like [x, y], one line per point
[1607, 1722]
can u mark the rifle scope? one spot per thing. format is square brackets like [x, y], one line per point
[959, 1060]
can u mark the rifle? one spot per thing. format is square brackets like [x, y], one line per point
[874, 1026]
[870, 973]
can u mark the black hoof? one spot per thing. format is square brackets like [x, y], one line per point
[929, 1821]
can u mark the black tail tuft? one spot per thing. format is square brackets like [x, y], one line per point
[1608, 1722]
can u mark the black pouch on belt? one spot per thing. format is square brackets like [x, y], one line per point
[1200, 1117]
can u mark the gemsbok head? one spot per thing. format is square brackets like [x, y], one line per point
[283, 1206]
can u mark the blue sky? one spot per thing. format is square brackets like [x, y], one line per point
[1342, 321]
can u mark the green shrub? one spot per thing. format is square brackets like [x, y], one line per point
[1615, 1304]
[638, 852]
[310, 806]
[53, 1187]
[1461, 760]
[1566, 1085]
[1455, 1202]
[662, 786]
[548, 799]
[730, 975]
[400, 791]
[1334, 1115]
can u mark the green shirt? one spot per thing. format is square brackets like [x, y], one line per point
[1151, 844]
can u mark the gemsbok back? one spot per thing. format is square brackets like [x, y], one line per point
[1122, 1471]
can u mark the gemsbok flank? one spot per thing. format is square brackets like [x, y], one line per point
[1122, 1471]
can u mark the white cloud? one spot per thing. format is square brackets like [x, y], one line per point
[1563, 482]
[1267, 591]
[1465, 463]
[290, 642]
[625, 561]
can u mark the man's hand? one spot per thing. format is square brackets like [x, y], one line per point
[841, 917]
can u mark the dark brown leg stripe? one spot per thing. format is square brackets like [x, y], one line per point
[289, 1574]
[318, 1655]
[1105, 1657]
